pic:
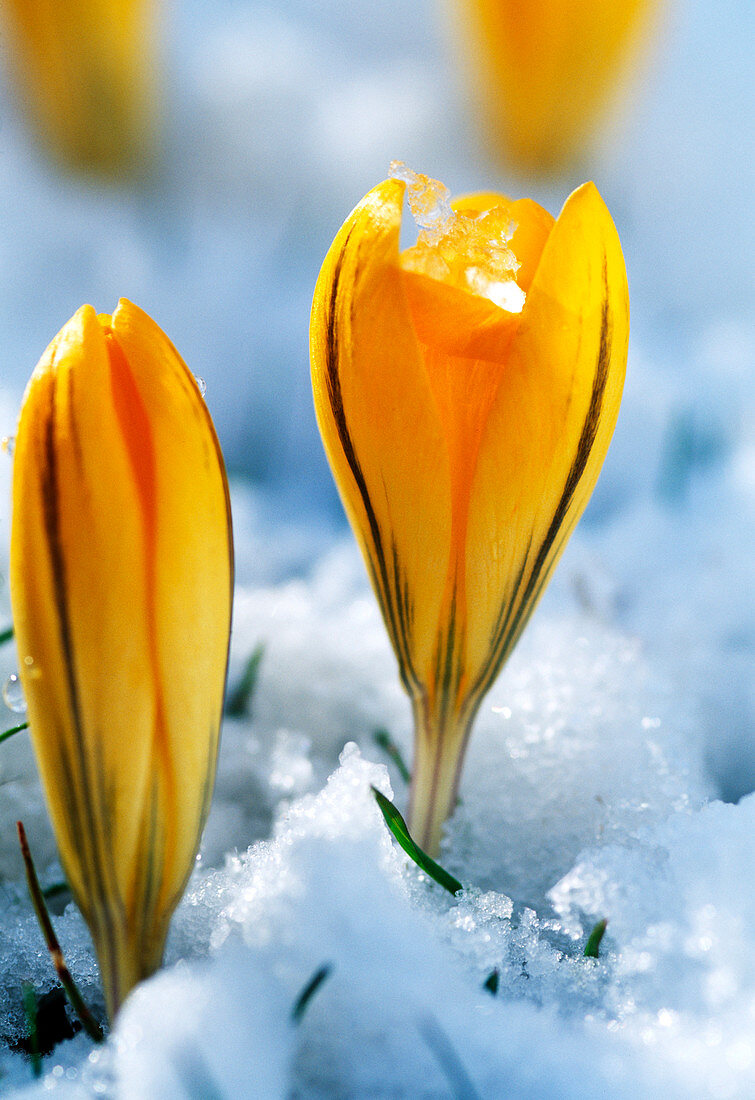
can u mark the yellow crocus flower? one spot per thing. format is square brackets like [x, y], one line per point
[121, 572]
[88, 73]
[546, 71]
[466, 391]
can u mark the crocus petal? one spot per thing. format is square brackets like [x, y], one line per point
[545, 72]
[456, 322]
[88, 74]
[548, 429]
[466, 343]
[380, 425]
[185, 497]
[466, 394]
[121, 575]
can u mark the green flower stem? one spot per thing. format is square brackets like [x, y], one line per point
[440, 741]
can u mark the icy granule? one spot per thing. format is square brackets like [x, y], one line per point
[405, 991]
[577, 742]
[332, 889]
[681, 939]
[470, 251]
[74, 1071]
[343, 809]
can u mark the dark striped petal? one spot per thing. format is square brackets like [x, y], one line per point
[548, 429]
[380, 427]
[121, 575]
[466, 393]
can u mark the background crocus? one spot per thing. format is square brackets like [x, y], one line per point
[87, 71]
[545, 72]
[466, 393]
[121, 574]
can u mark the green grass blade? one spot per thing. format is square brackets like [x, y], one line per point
[238, 702]
[592, 947]
[306, 995]
[492, 981]
[55, 890]
[30, 1011]
[14, 729]
[383, 739]
[6, 635]
[88, 1022]
[397, 826]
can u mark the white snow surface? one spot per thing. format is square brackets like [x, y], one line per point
[586, 795]
[611, 770]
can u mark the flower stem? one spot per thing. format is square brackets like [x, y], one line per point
[123, 965]
[439, 746]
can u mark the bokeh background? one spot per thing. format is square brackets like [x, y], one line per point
[276, 118]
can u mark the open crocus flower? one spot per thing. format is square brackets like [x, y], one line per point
[466, 392]
[545, 71]
[87, 68]
[121, 573]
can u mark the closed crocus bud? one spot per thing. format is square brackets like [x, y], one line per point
[121, 573]
[545, 72]
[87, 71]
[466, 391]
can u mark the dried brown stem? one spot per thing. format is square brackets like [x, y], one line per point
[88, 1022]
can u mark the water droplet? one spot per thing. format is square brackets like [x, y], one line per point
[8, 445]
[201, 384]
[13, 694]
[33, 672]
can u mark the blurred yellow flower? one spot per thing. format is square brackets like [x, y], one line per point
[466, 391]
[545, 71]
[88, 73]
[121, 573]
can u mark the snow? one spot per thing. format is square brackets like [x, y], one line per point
[611, 770]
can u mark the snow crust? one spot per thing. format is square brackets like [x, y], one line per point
[585, 795]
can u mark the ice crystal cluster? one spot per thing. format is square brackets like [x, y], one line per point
[467, 250]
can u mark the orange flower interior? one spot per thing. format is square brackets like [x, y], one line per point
[466, 281]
